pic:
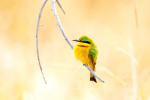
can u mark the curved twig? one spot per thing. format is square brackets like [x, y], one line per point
[59, 24]
[37, 40]
[63, 32]
[60, 6]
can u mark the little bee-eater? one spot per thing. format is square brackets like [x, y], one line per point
[86, 51]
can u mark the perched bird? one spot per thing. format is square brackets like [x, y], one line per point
[86, 51]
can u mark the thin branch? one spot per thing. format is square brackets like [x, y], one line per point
[59, 24]
[63, 32]
[60, 6]
[37, 40]
[94, 73]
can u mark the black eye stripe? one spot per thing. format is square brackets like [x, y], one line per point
[87, 42]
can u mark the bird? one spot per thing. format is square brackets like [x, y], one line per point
[86, 51]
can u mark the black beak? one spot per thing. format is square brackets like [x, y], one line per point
[76, 40]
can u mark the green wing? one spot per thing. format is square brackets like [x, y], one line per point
[93, 52]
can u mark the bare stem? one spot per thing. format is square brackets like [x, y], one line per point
[67, 40]
[60, 6]
[37, 40]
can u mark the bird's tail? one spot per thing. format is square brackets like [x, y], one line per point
[92, 78]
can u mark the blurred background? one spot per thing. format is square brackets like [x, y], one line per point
[123, 42]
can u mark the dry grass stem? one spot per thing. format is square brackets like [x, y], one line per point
[136, 15]
[114, 76]
[127, 53]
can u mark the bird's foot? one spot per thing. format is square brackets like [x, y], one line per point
[84, 64]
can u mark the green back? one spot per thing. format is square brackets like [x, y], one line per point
[93, 52]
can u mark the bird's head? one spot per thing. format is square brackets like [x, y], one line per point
[85, 41]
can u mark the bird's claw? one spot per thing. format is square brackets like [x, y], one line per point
[84, 64]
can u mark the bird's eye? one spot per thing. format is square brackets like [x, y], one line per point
[86, 41]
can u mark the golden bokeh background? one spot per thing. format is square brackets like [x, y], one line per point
[124, 50]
